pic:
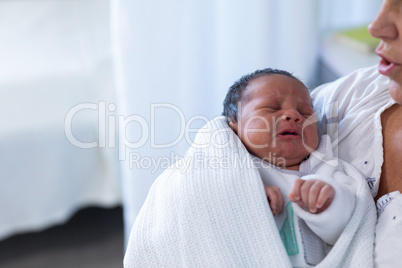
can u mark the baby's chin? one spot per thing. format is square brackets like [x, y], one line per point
[395, 90]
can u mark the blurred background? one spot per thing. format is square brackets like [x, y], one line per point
[98, 97]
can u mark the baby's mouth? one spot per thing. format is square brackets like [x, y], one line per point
[289, 133]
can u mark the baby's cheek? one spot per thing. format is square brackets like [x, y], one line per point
[310, 138]
[257, 135]
[256, 142]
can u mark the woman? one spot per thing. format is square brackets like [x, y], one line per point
[366, 109]
[387, 26]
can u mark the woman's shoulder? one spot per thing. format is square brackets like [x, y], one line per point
[362, 94]
[360, 84]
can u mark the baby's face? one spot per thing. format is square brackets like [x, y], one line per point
[276, 120]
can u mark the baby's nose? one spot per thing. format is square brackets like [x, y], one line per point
[292, 115]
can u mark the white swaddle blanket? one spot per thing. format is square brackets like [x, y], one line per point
[210, 210]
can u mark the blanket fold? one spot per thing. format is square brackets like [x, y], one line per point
[210, 210]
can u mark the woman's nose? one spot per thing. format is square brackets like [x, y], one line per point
[383, 26]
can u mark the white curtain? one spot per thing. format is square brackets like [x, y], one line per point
[176, 59]
[54, 55]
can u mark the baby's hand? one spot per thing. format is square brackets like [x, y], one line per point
[275, 199]
[312, 195]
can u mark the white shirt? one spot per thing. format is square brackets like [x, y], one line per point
[358, 101]
[349, 111]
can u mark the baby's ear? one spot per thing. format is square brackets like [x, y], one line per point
[234, 126]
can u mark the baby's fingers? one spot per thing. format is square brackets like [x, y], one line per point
[295, 195]
[314, 193]
[325, 198]
[307, 196]
[275, 199]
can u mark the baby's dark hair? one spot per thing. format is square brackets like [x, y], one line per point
[235, 92]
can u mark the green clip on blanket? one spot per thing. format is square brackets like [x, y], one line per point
[210, 210]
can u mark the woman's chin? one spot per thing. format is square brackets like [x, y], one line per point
[395, 90]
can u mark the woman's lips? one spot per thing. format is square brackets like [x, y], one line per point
[385, 66]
